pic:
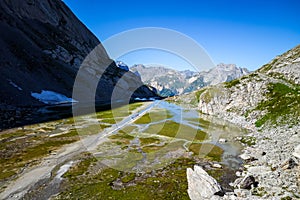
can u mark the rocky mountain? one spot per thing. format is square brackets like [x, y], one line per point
[269, 95]
[42, 45]
[267, 102]
[170, 82]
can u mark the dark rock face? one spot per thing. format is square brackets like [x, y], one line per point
[248, 183]
[42, 45]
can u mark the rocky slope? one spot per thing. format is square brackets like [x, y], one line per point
[42, 45]
[170, 82]
[268, 103]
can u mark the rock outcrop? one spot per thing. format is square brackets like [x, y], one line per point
[42, 45]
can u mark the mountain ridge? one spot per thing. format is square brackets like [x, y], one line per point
[170, 82]
[42, 48]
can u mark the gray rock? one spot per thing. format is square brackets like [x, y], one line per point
[297, 152]
[289, 164]
[45, 43]
[245, 156]
[216, 165]
[201, 185]
[242, 193]
[222, 140]
[259, 170]
[248, 183]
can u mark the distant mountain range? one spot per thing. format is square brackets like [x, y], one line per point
[171, 82]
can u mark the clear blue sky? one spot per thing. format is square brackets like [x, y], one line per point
[248, 33]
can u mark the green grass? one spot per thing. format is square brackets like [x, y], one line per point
[278, 75]
[198, 94]
[232, 83]
[81, 168]
[173, 129]
[208, 151]
[282, 105]
[120, 136]
[109, 120]
[268, 67]
[121, 112]
[128, 177]
[71, 133]
[169, 182]
[12, 134]
[104, 114]
[11, 165]
[154, 116]
[121, 139]
[134, 106]
[248, 140]
[207, 96]
[91, 129]
[152, 148]
[147, 141]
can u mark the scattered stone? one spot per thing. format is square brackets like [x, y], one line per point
[222, 140]
[297, 152]
[238, 174]
[117, 185]
[259, 170]
[289, 164]
[247, 157]
[241, 193]
[201, 185]
[216, 165]
[248, 183]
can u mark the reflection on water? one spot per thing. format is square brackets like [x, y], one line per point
[216, 128]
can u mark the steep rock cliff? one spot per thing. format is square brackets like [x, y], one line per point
[42, 45]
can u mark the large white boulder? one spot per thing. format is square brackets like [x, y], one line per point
[201, 185]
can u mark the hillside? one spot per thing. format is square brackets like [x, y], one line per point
[269, 95]
[267, 102]
[171, 82]
[42, 48]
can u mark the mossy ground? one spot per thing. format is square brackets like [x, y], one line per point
[232, 83]
[154, 116]
[85, 181]
[12, 163]
[25, 146]
[282, 105]
[173, 129]
[248, 140]
[208, 151]
[166, 183]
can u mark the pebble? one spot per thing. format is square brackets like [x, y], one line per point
[216, 165]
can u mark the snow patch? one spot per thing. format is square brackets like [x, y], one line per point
[50, 97]
[122, 65]
[145, 99]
